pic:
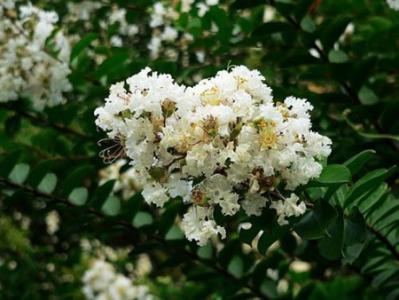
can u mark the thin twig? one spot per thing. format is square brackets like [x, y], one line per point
[36, 119]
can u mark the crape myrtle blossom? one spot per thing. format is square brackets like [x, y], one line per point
[167, 37]
[101, 281]
[27, 68]
[115, 16]
[221, 143]
[393, 4]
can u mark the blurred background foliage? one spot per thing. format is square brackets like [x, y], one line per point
[342, 55]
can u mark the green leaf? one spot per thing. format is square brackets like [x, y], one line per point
[367, 96]
[12, 125]
[205, 251]
[236, 267]
[19, 173]
[78, 196]
[331, 245]
[174, 233]
[355, 236]
[337, 56]
[372, 199]
[39, 171]
[8, 162]
[313, 224]
[339, 195]
[76, 178]
[356, 163]
[101, 194]
[114, 63]
[132, 206]
[82, 44]
[388, 218]
[334, 174]
[308, 25]
[168, 217]
[368, 182]
[48, 183]
[230, 249]
[142, 219]
[269, 288]
[385, 275]
[385, 209]
[111, 206]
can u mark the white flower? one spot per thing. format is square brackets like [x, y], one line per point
[219, 190]
[198, 225]
[186, 5]
[27, 68]
[180, 188]
[52, 222]
[101, 281]
[98, 277]
[121, 288]
[157, 17]
[287, 208]
[155, 193]
[253, 204]
[212, 2]
[200, 56]
[8, 4]
[169, 34]
[82, 10]
[221, 143]
[393, 4]
[143, 265]
[268, 14]
[116, 41]
[202, 9]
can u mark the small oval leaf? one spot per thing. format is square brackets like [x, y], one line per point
[48, 183]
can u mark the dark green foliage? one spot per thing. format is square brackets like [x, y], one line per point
[350, 234]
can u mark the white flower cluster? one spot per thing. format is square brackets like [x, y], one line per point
[81, 11]
[101, 282]
[202, 6]
[393, 4]
[163, 31]
[27, 69]
[221, 143]
[53, 222]
[165, 36]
